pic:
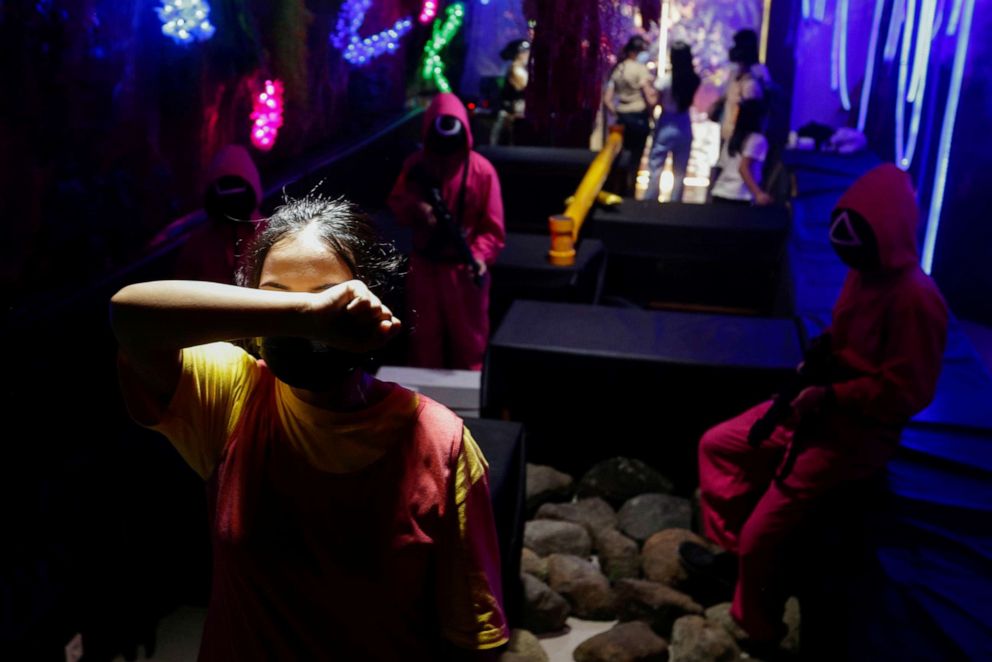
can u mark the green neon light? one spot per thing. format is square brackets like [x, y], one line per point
[444, 32]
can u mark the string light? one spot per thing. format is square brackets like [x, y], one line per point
[267, 115]
[947, 134]
[428, 11]
[185, 21]
[433, 68]
[360, 51]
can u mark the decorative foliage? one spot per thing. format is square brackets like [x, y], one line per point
[186, 21]
[267, 116]
[359, 51]
[433, 68]
[709, 27]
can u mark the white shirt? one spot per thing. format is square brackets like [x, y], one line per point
[730, 184]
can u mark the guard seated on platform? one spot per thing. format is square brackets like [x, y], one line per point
[763, 472]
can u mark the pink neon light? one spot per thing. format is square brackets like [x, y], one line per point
[267, 116]
[429, 11]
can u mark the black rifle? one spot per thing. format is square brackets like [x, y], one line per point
[817, 368]
[447, 232]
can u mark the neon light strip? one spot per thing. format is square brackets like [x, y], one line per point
[952, 22]
[835, 53]
[766, 14]
[876, 24]
[907, 42]
[805, 9]
[845, 96]
[820, 10]
[946, 137]
[892, 37]
[924, 37]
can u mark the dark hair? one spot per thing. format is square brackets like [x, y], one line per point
[750, 118]
[635, 45]
[346, 229]
[685, 81]
[745, 48]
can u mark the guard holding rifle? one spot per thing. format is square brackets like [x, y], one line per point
[841, 418]
[450, 196]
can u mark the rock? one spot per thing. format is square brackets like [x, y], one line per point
[619, 556]
[656, 604]
[525, 646]
[544, 610]
[507, 656]
[622, 478]
[694, 639]
[720, 615]
[627, 642]
[546, 484]
[645, 515]
[594, 514]
[545, 536]
[585, 587]
[533, 564]
[660, 556]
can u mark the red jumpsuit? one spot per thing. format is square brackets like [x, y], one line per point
[212, 252]
[448, 311]
[889, 326]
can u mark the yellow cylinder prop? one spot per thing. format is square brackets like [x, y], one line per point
[565, 228]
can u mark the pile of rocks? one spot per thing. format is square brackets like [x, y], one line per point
[606, 548]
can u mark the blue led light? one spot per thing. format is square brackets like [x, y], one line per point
[876, 24]
[946, 136]
[892, 36]
[907, 41]
[360, 51]
[952, 22]
[820, 10]
[806, 9]
[841, 29]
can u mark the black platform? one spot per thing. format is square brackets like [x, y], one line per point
[592, 382]
[502, 444]
[522, 271]
[710, 255]
[536, 181]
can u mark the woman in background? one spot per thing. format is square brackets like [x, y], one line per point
[673, 131]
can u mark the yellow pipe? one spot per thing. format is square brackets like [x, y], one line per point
[595, 177]
[565, 228]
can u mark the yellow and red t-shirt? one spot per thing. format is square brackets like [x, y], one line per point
[217, 385]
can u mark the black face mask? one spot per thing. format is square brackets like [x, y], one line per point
[853, 240]
[446, 135]
[308, 364]
[230, 198]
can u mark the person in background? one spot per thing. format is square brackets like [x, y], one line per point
[877, 367]
[517, 52]
[630, 96]
[448, 290]
[231, 198]
[673, 130]
[742, 159]
[750, 80]
[350, 518]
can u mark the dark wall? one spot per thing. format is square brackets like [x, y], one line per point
[107, 125]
